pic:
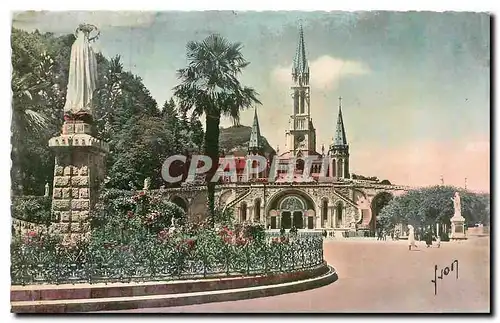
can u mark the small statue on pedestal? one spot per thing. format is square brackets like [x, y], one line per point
[47, 190]
[147, 182]
[456, 204]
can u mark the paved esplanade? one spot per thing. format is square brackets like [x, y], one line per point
[382, 276]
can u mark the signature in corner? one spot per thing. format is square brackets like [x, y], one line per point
[446, 271]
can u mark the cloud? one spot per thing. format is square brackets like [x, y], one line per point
[327, 71]
[67, 21]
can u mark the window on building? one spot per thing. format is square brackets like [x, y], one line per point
[243, 212]
[256, 208]
[324, 212]
[339, 210]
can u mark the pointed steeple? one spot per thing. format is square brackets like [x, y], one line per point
[255, 143]
[340, 139]
[300, 69]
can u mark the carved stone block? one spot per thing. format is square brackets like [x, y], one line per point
[75, 227]
[66, 216]
[79, 181]
[57, 193]
[84, 193]
[80, 205]
[59, 171]
[75, 193]
[67, 170]
[84, 171]
[84, 215]
[66, 193]
[61, 205]
[61, 181]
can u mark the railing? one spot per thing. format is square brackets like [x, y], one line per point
[300, 233]
[236, 200]
[153, 262]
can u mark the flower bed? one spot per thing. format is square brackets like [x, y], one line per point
[176, 255]
[131, 241]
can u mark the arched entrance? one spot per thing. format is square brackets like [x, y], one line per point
[290, 207]
[379, 201]
[292, 210]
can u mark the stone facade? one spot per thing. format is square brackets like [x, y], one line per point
[78, 171]
[341, 206]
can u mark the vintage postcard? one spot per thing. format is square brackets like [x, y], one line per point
[250, 162]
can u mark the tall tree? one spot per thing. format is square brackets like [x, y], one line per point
[37, 99]
[210, 85]
[432, 205]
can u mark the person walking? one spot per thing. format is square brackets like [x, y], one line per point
[438, 241]
[411, 237]
[428, 239]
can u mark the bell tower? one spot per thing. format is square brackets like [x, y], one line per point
[301, 135]
[339, 149]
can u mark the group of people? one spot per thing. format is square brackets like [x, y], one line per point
[429, 236]
[382, 235]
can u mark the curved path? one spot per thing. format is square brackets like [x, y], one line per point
[380, 276]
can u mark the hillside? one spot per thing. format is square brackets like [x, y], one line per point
[236, 138]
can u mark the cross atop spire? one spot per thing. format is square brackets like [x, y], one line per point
[300, 69]
[255, 143]
[340, 137]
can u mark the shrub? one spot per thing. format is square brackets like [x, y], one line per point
[36, 209]
[444, 236]
[128, 212]
[185, 252]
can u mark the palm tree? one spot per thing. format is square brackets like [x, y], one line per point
[28, 118]
[210, 85]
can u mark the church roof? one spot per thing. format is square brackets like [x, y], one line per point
[255, 142]
[300, 69]
[340, 137]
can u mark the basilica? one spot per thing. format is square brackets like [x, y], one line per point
[338, 204]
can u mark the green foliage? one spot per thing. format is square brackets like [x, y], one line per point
[34, 209]
[209, 85]
[361, 177]
[140, 135]
[123, 214]
[431, 205]
[236, 139]
[444, 236]
[192, 251]
[39, 71]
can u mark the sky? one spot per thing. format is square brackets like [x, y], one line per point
[415, 85]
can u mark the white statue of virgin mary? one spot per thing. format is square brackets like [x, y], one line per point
[82, 77]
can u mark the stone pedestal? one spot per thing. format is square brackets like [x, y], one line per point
[457, 227]
[79, 169]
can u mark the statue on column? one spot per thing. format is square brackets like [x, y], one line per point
[456, 204]
[147, 183]
[47, 190]
[82, 76]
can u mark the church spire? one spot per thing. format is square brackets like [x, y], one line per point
[255, 143]
[300, 69]
[340, 139]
